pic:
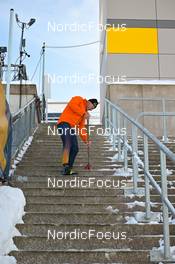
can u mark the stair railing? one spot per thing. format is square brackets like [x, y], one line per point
[114, 120]
[24, 123]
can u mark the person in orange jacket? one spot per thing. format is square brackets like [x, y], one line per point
[71, 121]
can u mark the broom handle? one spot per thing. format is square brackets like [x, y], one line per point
[88, 139]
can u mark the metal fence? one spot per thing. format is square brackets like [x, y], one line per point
[115, 118]
[24, 124]
[164, 123]
[163, 113]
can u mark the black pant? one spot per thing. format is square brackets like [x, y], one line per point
[70, 143]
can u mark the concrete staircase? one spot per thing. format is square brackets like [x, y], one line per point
[68, 209]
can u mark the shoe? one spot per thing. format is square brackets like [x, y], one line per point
[66, 170]
[4, 182]
[71, 172]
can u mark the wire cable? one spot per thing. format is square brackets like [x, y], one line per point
[36, 68]
[72, 46]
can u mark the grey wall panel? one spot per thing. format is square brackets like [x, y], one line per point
[136, 9]
[166, 9]
[132, 65]
[167, 41]
[141, 23]
[167, 66]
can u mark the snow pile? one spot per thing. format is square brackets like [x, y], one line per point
[106, 169]
[169, 172]
[20, 155]
[111, 210]
[172, 221]
[123, 172]
[12, 202]
[131, 220]
[140, 152]
[161, 249]
[138, 160]
[141, 204]
[139, 217]
[112, 149]
[7, 260]
[117, 158]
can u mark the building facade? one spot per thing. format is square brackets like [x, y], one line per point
[137, 47]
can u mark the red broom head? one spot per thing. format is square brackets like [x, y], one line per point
[88, 167]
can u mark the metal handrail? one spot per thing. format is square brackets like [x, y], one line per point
[146, 99]
[164, 114]
[24, 124]
[141, 114]
[21, 110]
[113, 115]
[163, 101]
[151, 136]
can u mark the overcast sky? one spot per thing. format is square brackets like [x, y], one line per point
[61, 23]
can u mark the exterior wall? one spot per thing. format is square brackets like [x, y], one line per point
[28, 92]
[147, 44]
[117, 93]
[144, 51]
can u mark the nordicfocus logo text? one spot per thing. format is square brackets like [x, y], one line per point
[85, 235]
[53, 131]
[86, 183]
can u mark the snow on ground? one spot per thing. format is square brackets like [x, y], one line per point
[12, 202]
[117, 158]
[140, 152]
[20, 155]
[123, 172]
[141, 204]
[169, 172]
[106, 169]
[130, 220]
[7, 260]
[112, 149]
[139, 216]
[161, 249]
[111, 210]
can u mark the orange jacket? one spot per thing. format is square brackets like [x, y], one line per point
[74, 115]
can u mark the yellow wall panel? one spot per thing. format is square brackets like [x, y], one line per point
[132, 40]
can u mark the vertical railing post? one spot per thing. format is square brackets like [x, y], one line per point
[109, 121]
[30, 119]
[166, 230]
[164, 121]
[33, 116]
[106, 114]
[118, 137]
[134, 161]
[125, 147]
[146, 169]
[43, 82]
[114, 131]
[109, 115]
[25, 123]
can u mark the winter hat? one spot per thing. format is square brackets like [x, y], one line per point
[94, 102]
